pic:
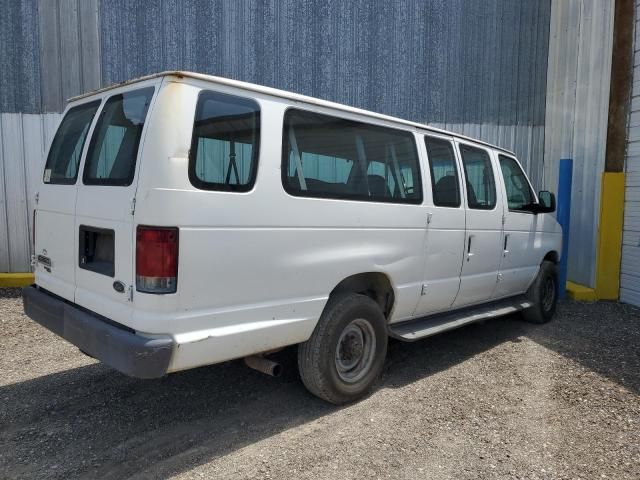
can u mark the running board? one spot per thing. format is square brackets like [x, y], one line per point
[416, 329]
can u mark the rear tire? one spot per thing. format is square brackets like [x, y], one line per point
[346, 352]
[544, 294]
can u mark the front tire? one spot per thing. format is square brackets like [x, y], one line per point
[346, 352]
[544, 294]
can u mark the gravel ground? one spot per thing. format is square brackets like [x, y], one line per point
[503, 399]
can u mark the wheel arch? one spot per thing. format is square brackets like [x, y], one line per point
[552, 256]
[375, 285]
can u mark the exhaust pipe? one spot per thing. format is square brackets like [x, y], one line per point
[263, 365]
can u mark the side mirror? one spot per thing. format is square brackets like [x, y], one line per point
[546, 202]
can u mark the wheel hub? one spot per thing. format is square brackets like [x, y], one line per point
[355, 351]
[548, 294]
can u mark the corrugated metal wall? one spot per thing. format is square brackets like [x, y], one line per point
[630, 265]
[478, 67]
[455, 61]
[24, 139]
[69, 50]
[576, 117]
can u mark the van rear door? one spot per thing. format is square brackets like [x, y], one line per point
[104, 267]
[54, 220]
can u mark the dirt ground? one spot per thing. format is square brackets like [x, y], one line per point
[503, 399]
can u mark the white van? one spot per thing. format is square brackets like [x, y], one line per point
[185, 220]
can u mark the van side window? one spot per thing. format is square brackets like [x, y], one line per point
[329, 157]
[111, 158]
[519, 195]
[64, 155]
[224, 148]
[444, 173]
[481, 185]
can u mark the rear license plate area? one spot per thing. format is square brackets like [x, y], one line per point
[97, 247]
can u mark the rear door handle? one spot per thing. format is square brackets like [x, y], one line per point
[469, 252]
[506, 243]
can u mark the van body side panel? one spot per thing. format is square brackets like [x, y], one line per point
[256, 268]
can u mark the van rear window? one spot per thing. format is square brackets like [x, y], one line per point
[330, 157]
[224, 148]
[111, 158]
[66, 149]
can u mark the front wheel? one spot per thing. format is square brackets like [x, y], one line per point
[544, 294]
[346, 352]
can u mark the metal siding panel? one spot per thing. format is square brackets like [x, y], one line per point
[577, 116]
[174, 29]
[29, 63]
[632, 209]
[19, 61]
[630, 261]
[632, 265]
[458, 58]
[150, 51]
[89, 44]
[70, 52]
[11, 44]
[631, 238]
[4, 224]
[51, 86]
[15, 192]
[630, 296]
[24, 139]
[33, 155]
[630, 282]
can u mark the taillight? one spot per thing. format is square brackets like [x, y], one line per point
[156, 259]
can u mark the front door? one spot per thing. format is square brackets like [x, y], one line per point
[483, 240]
[520, 255]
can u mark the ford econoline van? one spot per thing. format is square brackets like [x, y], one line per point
[184, 220]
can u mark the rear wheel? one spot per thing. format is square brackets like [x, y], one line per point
[345, 354]
[544, 294]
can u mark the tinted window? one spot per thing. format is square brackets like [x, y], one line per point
[481, 185]
[224, 149]
[444, 173]
[519, 195]
[331, 157]
[111, 158]
[66, 148]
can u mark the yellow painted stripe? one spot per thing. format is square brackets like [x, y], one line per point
[579, 292]
[15, 279]
[610, 236]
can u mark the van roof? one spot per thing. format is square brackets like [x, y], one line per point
[289, 96]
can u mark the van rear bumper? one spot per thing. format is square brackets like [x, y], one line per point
[118, 347]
